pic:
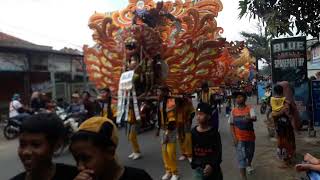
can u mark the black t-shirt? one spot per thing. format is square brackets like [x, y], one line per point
[206, 148]
[135, 174]
[63, 172]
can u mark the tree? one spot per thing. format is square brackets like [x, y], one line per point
[283, 17]
[258, 44]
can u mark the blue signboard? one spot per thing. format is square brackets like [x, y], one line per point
[315, 87]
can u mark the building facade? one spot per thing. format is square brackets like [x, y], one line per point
[26, 67]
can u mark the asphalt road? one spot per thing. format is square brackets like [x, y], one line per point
[151, 161]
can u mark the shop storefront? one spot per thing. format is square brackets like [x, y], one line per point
[24, 71]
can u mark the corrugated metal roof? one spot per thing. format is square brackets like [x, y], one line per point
[7, 40]
[10, 42]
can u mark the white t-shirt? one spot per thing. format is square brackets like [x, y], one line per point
[13, 108]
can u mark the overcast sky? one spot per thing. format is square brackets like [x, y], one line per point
[63, 23]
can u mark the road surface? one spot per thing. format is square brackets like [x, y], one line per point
[151, 161]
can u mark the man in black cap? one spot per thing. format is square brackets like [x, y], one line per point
[206, 147]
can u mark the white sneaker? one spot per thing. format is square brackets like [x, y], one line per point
[131, 156]
[174, 177]
[136, 156]
[167, 176]
[250, 170]
[182, 158]
[190, 159]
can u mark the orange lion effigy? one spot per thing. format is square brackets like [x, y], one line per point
[163, 45]
[176, 44]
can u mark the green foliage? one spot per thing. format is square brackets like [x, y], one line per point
[258, 44]
[281, 17]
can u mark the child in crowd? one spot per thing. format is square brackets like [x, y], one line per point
[206, 147]
[241, 126]
[94, 149]
[40, 137]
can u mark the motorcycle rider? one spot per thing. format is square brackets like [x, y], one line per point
[89, 105]
[36, 104]
[62, 104]
[16, 108]
[76, 108]
[265, 106]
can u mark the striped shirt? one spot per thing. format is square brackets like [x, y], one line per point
[243, 128]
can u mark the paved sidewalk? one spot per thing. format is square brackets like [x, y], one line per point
[266, 162]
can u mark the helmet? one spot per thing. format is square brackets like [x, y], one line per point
[16, 97]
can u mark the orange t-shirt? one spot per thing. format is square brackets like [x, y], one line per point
[243, 128]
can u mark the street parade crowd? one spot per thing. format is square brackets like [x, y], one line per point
[155, 73]
[94, 143]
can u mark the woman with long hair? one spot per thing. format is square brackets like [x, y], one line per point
[283, 116]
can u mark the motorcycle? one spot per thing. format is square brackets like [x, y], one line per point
[12, 128]
[265, 102]
[71, 124]
[13, 125]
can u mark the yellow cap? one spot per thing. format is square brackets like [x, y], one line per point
[94, 125]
